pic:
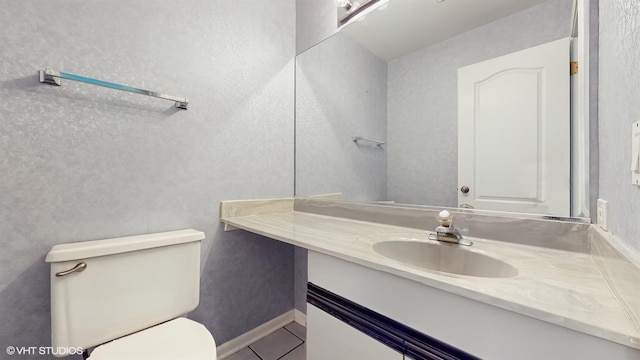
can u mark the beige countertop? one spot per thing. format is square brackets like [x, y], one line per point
[562, 287]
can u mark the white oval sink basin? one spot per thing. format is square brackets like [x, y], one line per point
[447, 258]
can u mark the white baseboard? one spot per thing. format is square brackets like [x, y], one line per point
[300, 317]
[234, 345]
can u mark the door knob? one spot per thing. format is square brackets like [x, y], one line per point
[464, 189]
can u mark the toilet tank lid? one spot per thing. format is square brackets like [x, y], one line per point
[94, 248]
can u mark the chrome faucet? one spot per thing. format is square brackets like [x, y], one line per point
[446, 232]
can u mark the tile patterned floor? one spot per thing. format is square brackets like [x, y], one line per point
[287, 343]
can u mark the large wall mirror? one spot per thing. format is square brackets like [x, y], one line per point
[391, 76]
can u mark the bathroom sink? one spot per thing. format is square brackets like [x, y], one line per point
[455, 259]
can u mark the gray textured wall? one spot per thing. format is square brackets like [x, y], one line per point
[423, 100]
[80, 162]
[619, 107]
[300, 279]
[341, 91]
[316, 20]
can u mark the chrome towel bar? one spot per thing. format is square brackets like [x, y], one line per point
[49, 76]
[360, 138]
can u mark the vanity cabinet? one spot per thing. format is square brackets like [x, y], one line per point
[330, 338]
[483, 330]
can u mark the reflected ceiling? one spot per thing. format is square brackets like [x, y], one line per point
[390, 30]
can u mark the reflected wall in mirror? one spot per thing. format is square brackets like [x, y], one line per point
[360, 83]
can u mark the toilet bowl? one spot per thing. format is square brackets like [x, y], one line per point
[126, 297]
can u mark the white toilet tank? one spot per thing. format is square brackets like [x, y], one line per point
[129, 284]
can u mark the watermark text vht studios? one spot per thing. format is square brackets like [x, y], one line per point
[43, 350]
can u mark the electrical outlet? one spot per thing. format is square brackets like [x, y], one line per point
[601, 217]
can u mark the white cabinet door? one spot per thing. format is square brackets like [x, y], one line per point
[514, 131]
[330, 338]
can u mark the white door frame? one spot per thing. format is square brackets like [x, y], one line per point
[580, 137]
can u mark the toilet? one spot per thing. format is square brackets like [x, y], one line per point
[126, 297]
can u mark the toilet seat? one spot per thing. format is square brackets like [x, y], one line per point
[180, 338]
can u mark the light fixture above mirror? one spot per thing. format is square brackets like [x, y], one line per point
[349, 9]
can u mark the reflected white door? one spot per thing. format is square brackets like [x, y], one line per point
[514, 131]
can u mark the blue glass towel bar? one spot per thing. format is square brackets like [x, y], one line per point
[49, 76]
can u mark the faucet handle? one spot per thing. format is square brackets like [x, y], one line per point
[444, 218]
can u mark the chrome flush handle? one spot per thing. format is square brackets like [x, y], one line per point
[78, 268]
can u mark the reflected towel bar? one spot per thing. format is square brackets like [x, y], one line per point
[52, 77]
[360, 138]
